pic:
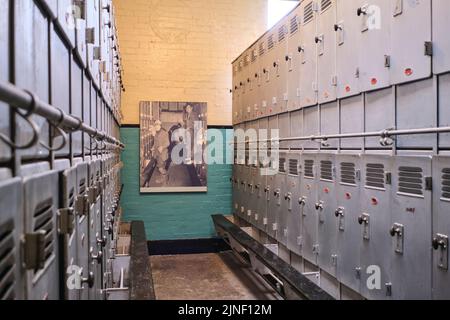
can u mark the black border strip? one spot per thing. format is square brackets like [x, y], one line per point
[209, 127]
[190, 246]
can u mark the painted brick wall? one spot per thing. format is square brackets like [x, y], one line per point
[181, 50]
[172, 216]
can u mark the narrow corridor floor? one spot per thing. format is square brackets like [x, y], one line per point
[207, 277]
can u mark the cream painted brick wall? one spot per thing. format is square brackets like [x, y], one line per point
[181, 50]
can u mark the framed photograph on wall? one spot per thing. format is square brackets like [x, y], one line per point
[173, 139]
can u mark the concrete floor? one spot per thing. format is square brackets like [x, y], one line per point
[206, 277]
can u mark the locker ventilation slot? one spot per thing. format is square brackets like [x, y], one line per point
[326, 170]
[43, 220]
[308, 14]
[294, 25]
[270, 42]
[7, 261]
[293, 167]
[282, 165]
[446, 183]
[71, 197]
[254, 55]
[309, 169]
[82, 186]
[325, 4]
[262, 50]
[282, 33]
[246, 60]
[410, 180]
[348, 173]
[375, 175]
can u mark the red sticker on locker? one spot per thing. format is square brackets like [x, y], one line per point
[409, 72]
[348, 195]
[348, 89]
[374, 201]
[326, 190]
[374, 81]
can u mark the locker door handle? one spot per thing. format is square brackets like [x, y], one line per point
[440, 242]
[97, 257]
[266, 189]
[101, 241]
[361, 11]
[339, 212]
[302, 201]
[318, 39]
[300, 49]
[337, 27]
[363, 219]
[396, 230]
[287, 197]
[89, 280]
[319, 205]
[276, 193]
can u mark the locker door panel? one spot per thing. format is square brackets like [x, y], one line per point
[375, 19]
[347, 213]
[294, 214]
[326, 51]
[67, 13]
[329, 123]
[441, 227]
[252, 193]
[234, 94]
[293, 63]
[261, 201]
[281, 200]
[80, 34]
[77, 106]
[379, 114]
[444, 109]
[409, 61]
[374, 221]
[254, 88]
[352, 121]
[414, 99]
[308, 200]
[11, 224]
[411, 228]
[296, 119]
[441, 41]
[311, 126]
[271, 74]
[246, 94]
[93, 39]
[348, 34]
[263, 76]
[284, 127]
[282, 60]
[86, 111]
[31, 67]
[308, 56]
[41, 194]
[5, 152]
[274, 204]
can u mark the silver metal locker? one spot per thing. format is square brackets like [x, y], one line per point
[271, 75]
[346, 213]
[5, 152]
[282, 199]
[352, 121]
[67, 13]
[329, 124]
[292, 205]
[348, 34]
[80, 33]
[252, 80]
[245, 85]
[293, 60]
[375, 221]
[296, 119]
[252, 193]
[11, 224]
[233, 94]
[415, 99]
[325, 40]
[441, 41]
[240, 90]
[284, 127]
[245, 179]
[274, 199]
[261, 199]
[86, 112]
[279, 65]
[444, 109]
[307, 201]
[40, 208]
[411, 228]
[374, 53]
[308, 54]
[238, 206]
[31, 68]
[379, 114]
[93, 39]
[77, 105]
[264, 77]
[311, 126]
[411, 51]
[325, 209]
[441, 227]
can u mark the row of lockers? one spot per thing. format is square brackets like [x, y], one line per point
[66, 53]
[57, 229]
[350, 214]
[333, 49]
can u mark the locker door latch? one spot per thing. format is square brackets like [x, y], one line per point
[440, 242]
[339, 213]
[34, 250]
[398, 231]
[66, 222]
[364, 221]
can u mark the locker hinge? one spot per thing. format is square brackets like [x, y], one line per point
[429, 48]
[429, 183]
[65, 220]
[388, 178]
[34, 250]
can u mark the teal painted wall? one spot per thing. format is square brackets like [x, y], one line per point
[172, 216]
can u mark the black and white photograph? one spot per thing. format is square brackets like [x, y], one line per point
[173, 141]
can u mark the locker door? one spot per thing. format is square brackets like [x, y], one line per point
[86, 112]
[281, 60]
[308, 200]
[5, 152]
[234, 93]
[261, 202]
[444, 109]
[311, 126]
[352, 121]
[264, 78]
[93, 39]
[11, 223]
[293, 61]
[41, 194]
[292, 205]
[254, 83]
[375, 221]
[296, 124]
[379, 114]
[346, 215]
[308, 55]
[82, 221]
[410, 60]
[283, 199]
[329, 123]
[411, 228]
[31, 67]
[245, 191]
[105, 71]
[271, 74]
[77, 106]
[240, 88]
[284, 127]
[374, 54]
[274, 202]
[67, 13]
[325, 208]
[252, 195]
[246, 93]
[348, 34]
[441, 41]
[414, 99]
[441, 227]
[326, 51]
[80, 33]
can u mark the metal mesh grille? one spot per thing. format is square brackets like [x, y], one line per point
[294, 25]
[410, 180]
[309, 168]
[325, 4]
[446, 183]
[375, 175]
[270, 42]
[282, 165]
[326, 170]
[262, 49]
[308, 13]
[348, 173]
[43, 220]
[282, 33]
[82, 186]
[7, 261]
[293, 167]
